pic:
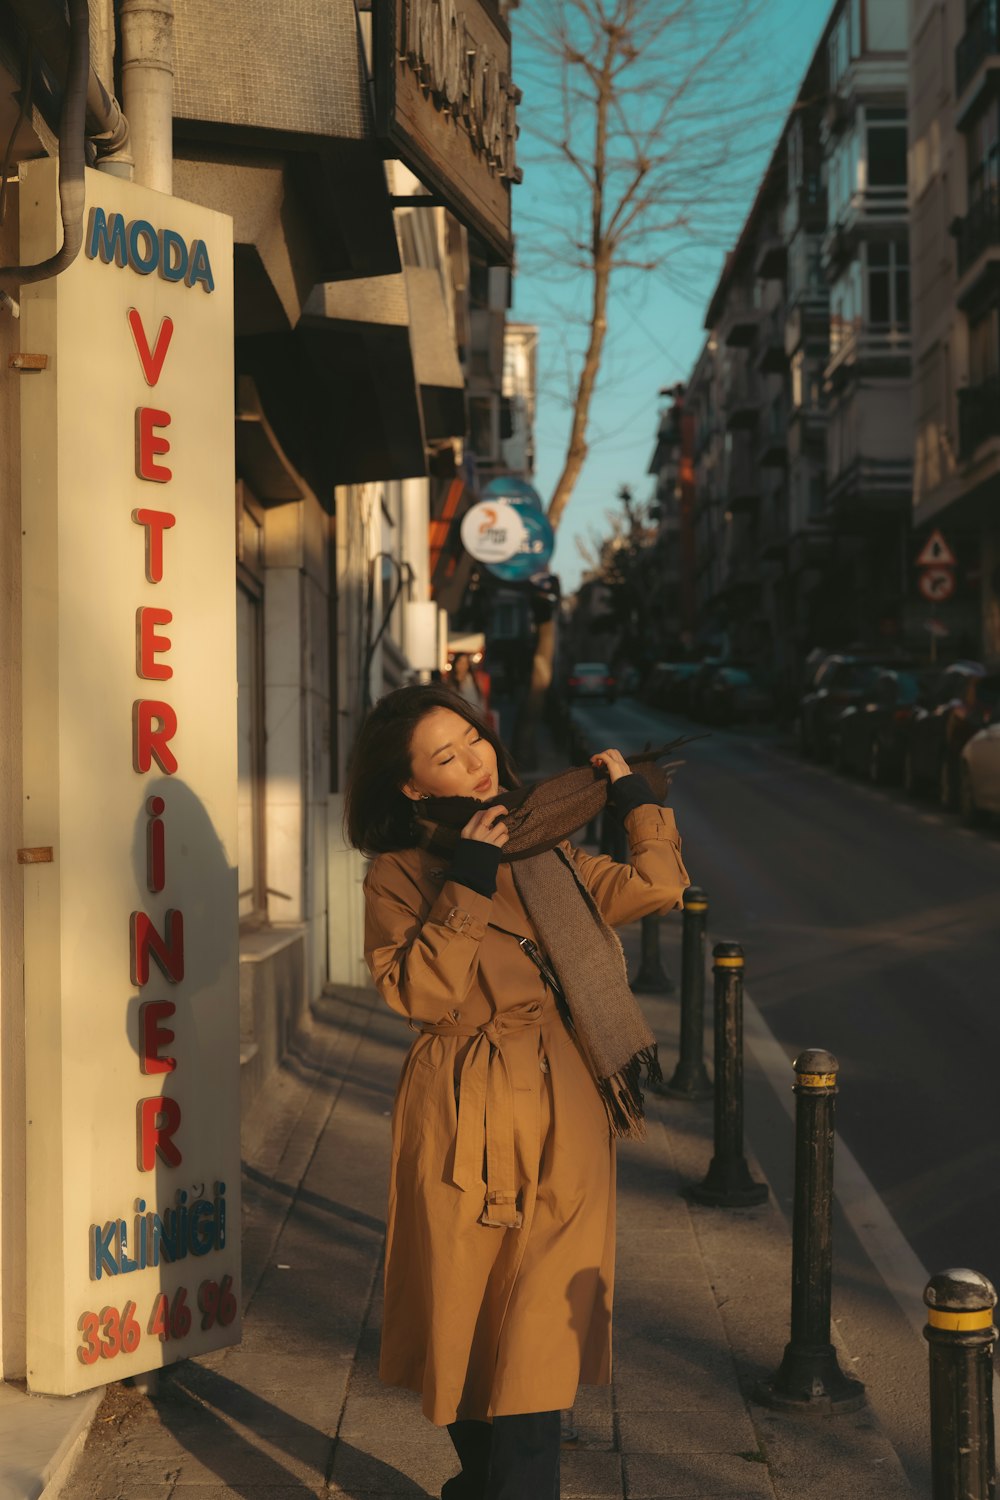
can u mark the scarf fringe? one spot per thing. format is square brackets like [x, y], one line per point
[623, 1097]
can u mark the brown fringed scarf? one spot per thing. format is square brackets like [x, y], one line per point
[585, 954]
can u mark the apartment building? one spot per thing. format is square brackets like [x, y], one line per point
[802, 393]
[954, 142]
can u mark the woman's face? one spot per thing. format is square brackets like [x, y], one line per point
[450, 758]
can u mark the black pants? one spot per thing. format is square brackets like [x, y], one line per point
[515, 1458]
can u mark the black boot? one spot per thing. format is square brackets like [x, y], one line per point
[524, 1458]
[471, 1441]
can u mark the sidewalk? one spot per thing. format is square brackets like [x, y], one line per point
[701, 1313]
[297, 1409]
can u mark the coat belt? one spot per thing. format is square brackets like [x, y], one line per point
[486, 1113]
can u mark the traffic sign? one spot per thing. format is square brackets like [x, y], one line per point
[937, 584]
[936, 554]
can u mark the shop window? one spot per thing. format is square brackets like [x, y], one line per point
[250, 706]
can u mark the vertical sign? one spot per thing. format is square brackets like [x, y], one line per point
[131, 977]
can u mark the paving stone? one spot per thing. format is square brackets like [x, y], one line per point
[695, 1476]
[721, 1429]
[591, 1476]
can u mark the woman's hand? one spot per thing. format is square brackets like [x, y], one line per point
[486, 827]
[613, 762]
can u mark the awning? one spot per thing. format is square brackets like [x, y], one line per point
[435, 358]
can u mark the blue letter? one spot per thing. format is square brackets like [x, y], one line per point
[150, 261]
[101, 1259]
[110, 246]
[172, 268]
[201, 267]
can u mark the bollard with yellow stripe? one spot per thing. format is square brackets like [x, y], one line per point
[728, 1183]
[809, 1378]
[690, 1078]
[961, 1336]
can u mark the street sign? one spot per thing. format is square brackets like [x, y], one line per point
[937, 584]
[492, 531]
[936, 554]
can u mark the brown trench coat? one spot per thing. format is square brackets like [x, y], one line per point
[486, 1321]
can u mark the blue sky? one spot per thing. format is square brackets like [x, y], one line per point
[655, 330]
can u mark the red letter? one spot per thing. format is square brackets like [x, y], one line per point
[152, 363]
[149, 744]
[156, 857]
[148, 643]
[157, 1122]
[153, 1036]
[156, 523]
[168, 951]
[149, 447]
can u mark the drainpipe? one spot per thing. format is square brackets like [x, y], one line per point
[148, 88]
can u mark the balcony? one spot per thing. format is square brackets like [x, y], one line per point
[874, 350]
[977, 59]
[742, 480]
[772, 259]
[870, 491]
[770, 358]
[743, 401]
[978, 416]
[740, 321]
[977, 240]
[773, 450]
[875, 213]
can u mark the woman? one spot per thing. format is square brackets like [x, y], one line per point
[462, 680]
[501, 1223]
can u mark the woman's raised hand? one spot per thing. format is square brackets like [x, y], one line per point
[613, 762]
[487, 827]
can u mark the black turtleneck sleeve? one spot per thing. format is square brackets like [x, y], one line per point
[630, 792]
[475, 865]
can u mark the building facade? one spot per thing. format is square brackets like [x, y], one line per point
[366, 361]
[954, 142]
[801, 396]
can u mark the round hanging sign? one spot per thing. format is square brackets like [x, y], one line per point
[517, 491]
[492, 532]
[534, 553]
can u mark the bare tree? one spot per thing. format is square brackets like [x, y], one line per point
[655, 116]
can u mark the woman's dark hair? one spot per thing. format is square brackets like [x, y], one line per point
[378, 815]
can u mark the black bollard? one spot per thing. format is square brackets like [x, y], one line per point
[728, 1183]
[690, 1079]
[809, 1378]
[961, 1336]
[652, 978]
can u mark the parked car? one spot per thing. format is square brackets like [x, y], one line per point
[979, 775]
[839, 682]
[962, 699]
[697, 687]
[666, 684]
[591, 679]
[870, 736]
[736, 694]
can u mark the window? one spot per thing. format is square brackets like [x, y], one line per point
[888, 286]
[983, 155]
[250, 705]
[886, 151]
[886, 26]
[984, 347]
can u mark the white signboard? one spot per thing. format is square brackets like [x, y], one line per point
[492, 531]
[131, 957]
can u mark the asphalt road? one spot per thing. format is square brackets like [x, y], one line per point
[871, 926]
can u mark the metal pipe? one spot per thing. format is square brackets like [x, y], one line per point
[147, 31]
[71, 155]
[44, 21]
